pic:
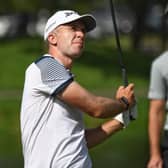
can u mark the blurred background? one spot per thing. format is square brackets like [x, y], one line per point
[143, 28]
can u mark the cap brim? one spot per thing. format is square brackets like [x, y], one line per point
[89, 22]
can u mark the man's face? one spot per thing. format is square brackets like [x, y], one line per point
[70, 38]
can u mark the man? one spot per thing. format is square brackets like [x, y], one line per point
[53, 133]
[158, 93]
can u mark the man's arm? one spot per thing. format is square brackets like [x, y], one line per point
[156, 120]
[97, 106]
[97, 135]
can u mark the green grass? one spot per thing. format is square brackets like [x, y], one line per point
[10, 142]
[97, 70]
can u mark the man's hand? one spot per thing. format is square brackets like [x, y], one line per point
[129, 100]
[127, 93]
[155, 162]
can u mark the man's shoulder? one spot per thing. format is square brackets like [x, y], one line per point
[43, 58]
[48, 63]
[38, 64]
[161, 60]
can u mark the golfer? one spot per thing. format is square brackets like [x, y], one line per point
[53, 102]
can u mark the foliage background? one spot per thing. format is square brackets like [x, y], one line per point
[97, 70]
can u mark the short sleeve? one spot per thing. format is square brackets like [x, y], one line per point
[157, 87]
[54, 76]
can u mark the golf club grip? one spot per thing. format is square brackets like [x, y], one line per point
[133, 110]
[124, 77]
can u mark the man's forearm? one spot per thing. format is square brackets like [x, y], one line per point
[156, 120]
[155, 128]
[97, 135]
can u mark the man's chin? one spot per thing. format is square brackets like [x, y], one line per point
[74, 55]
[77, 54]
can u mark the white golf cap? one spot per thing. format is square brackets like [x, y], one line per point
[67, 16]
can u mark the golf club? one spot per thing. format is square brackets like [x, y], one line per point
[133, 110]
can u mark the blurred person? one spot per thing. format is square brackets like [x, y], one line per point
[158, 93]
[53, 102]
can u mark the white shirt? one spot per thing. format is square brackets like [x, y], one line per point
[52, 132]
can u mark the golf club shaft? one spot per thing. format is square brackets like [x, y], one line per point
[123, 69]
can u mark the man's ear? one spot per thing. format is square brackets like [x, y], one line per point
[52, 39]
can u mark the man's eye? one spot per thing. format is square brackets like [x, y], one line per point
[83, 30]
[73, 28]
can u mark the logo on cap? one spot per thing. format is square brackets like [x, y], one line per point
[69, 13]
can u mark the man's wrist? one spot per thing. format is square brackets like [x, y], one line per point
[125, 102]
